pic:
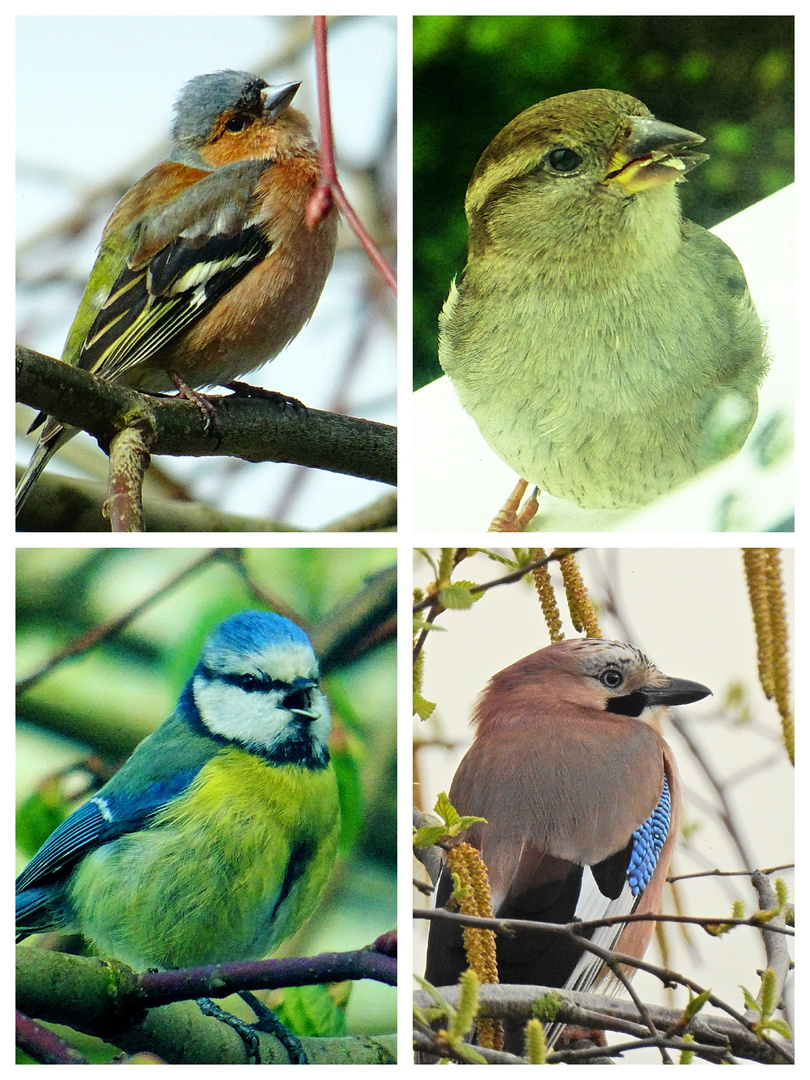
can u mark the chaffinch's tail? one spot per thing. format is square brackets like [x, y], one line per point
[53, 438]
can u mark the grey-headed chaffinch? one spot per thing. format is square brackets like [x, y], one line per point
[207, 266]
[607, 348]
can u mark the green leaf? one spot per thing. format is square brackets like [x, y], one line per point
[314, 1010]
[445, 810]
[422, 707]
[780, 1027]
[428, 835]
[456, 596]
[696, 1003]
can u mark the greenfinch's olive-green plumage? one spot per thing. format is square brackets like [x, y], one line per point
[607, 348]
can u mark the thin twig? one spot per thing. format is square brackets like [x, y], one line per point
[507, 579]
[329, 187]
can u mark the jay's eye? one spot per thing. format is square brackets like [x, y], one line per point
[611, 678]
[563, 159]
[237, 123]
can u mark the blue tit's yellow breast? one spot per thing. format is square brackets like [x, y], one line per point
[226, 871]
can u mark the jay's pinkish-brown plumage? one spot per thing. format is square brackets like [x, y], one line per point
[582, 801]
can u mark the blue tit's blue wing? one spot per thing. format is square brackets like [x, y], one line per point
[109, 814]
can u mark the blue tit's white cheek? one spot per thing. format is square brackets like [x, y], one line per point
[259, 718]
[250, 718]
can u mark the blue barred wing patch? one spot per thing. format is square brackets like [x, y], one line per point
[648, 840]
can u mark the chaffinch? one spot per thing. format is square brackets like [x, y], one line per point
[607, 348]
[207, 267]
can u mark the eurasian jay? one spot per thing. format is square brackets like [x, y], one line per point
[582, 802]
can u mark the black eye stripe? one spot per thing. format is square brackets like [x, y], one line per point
[246, 680]
[250, 682]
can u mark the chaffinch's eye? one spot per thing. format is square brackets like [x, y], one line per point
[564, 159]
[237, 123]
[611, 678]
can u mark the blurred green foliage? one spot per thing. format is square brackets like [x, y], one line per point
[728, 78]
[112, 690]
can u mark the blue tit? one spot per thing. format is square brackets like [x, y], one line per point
[215, 840]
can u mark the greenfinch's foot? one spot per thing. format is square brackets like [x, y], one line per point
[508, 519]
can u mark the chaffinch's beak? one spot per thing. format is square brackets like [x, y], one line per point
[277, 98]
[650, 154]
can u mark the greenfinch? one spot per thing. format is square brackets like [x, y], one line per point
[607, 347]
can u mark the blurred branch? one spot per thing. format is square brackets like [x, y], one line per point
[97, 634]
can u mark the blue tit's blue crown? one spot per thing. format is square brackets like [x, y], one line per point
[252, 635]
[204, 98]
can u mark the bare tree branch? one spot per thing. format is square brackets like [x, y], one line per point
[716, 1032]
[254, 429]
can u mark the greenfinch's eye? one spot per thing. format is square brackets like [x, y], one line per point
[237, 124]
[564, 159]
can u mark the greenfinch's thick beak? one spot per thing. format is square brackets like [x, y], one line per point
[650, 153]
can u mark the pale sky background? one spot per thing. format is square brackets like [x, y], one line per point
[688, 611]
[95, 97]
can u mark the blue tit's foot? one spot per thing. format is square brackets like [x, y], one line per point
[267, 1021]
[203, 403]
[244, 1030]
[243, 389]
[508, 519]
